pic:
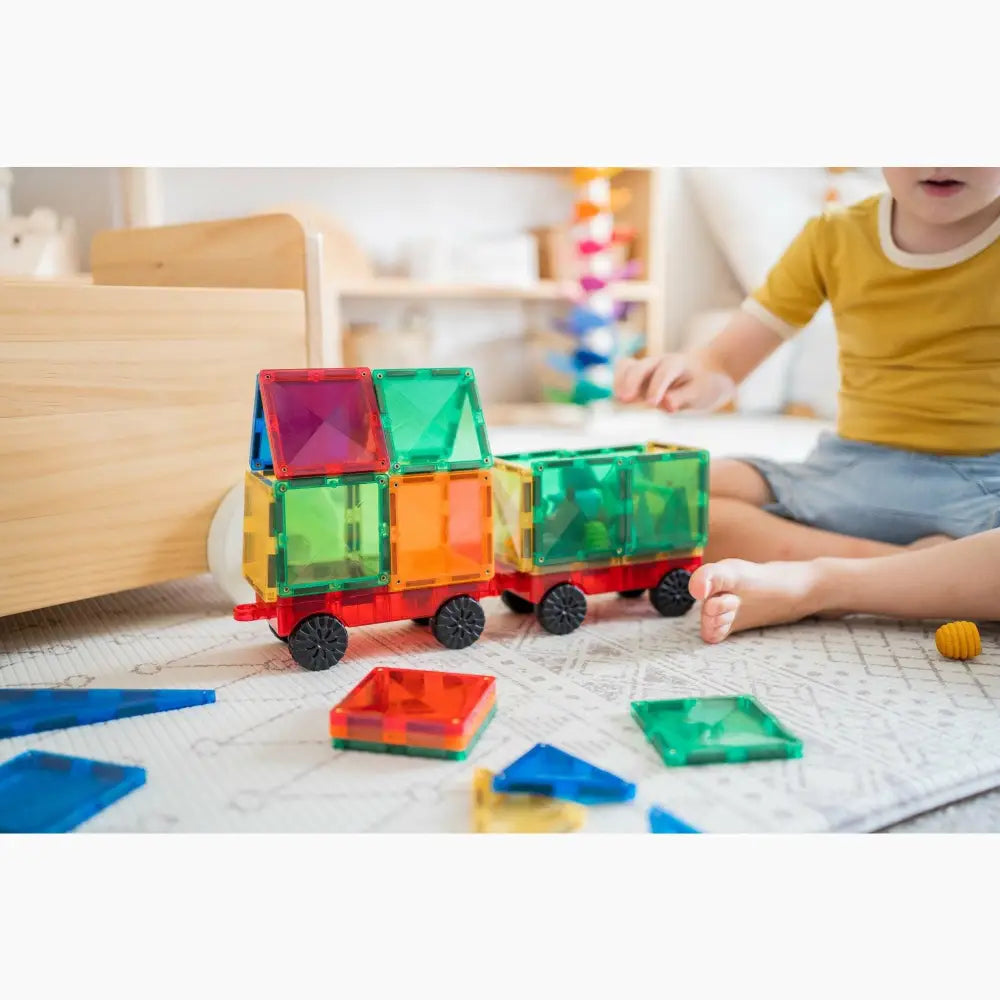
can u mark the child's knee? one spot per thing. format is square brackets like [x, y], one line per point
[732, 479]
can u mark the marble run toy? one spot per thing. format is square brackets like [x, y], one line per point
[586, 367]
[373, 496]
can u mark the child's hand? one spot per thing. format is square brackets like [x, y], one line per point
[672, 382]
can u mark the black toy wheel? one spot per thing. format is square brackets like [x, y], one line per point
[671, 596]
[516, 603]
[458, 622]
[562, 609]
[274, 632]
[631, 595]
[318, 642]
[421, 621]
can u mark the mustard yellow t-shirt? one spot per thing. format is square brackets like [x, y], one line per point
[918, 334]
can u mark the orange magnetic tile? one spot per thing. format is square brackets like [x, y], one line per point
[440, 528]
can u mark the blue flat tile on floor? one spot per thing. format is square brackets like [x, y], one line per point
[661, 821]
[52, 793]
[34, 710]
[547, 770]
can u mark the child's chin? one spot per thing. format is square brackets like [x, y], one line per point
[944, 211]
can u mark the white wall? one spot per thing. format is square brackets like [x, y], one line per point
[382, 207]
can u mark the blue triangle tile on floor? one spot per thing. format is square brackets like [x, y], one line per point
[661, 821]
[53, 793]
[35, 710]
[547, 770]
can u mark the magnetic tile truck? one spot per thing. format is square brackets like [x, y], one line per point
[373, 496]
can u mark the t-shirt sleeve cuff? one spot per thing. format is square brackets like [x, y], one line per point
[783, 329]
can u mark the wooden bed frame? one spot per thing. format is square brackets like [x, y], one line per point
[125, 400]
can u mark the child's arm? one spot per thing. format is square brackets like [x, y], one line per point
[703, 379]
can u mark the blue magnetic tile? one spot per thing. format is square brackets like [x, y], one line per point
[547, 770]
[51, 793]
[660, 821]
[260, 444]
[35, 710]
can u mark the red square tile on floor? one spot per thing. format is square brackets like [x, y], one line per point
[425, 701]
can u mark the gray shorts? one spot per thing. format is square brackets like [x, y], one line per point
[885, 494]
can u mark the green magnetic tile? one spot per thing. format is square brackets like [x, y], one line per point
[332, 533]
[432, 418]
[600, 503]
[408, 751]
[668, 502]
[714, 731]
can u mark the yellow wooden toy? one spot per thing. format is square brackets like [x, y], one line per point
[958, 640]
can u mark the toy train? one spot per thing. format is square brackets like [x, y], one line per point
[373, 496]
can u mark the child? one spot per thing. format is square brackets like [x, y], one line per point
[913, 278]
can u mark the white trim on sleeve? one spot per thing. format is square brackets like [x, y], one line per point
[784, 330]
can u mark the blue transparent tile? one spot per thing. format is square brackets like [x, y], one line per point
[52, 793]
[35, 710]
[547, 770]
[660, 821]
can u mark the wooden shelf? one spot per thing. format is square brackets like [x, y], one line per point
[404, 288]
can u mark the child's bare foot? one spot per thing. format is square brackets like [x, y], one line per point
[740, 595]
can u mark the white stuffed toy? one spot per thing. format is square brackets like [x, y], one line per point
[38, 245]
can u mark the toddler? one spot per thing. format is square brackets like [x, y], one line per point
[913, 279]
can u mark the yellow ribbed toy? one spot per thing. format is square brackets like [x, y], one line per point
[958, 640]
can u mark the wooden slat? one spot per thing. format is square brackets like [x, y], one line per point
[66, 313]
[53, 560]
[100, 460]
[124, 420]
[260, 251]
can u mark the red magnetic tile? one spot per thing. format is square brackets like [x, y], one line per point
[371, 730]
[322, 422]
[428, 701]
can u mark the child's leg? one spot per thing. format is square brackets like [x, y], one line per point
[958, 579]
[738, 528]
[729, 477]
[741, 530]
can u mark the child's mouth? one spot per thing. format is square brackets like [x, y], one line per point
[941, 187]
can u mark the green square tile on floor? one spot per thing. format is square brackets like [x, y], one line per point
[714, 731]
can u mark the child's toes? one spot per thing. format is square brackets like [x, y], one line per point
[720, 604]
[716, 628]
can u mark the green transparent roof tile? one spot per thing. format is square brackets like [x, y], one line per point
[432, 419]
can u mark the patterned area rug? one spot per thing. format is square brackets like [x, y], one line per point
[890, 729]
